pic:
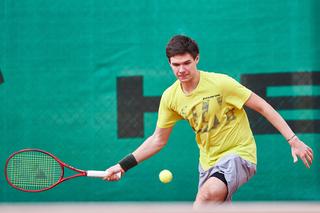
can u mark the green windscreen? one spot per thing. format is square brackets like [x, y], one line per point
[83, 80]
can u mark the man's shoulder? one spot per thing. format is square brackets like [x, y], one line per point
[171, 89]
[215, 75]
[170, 93]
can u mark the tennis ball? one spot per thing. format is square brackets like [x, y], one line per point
[165, 176]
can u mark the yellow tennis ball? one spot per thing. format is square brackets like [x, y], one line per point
[165, 176]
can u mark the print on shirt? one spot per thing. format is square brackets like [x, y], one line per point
[219, 99]
[230, 115]
[199, 117]
[205, 116]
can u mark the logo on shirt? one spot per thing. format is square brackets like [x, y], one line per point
[209, 97]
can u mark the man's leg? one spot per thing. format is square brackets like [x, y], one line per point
[213, 190]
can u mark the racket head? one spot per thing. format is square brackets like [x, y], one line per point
[33, 170]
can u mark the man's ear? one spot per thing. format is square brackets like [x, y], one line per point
[197, 58]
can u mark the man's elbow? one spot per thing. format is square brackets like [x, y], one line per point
[159, 142]
[260, 109]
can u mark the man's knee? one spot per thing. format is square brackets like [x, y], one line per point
[214, 190]
[211, 196]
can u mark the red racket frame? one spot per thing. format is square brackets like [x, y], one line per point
[62, 165]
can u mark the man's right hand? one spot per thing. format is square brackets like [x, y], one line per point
[114, 173]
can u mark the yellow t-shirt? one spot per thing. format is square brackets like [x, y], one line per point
[214, 109]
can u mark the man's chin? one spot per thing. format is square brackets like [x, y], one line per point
[184, 80]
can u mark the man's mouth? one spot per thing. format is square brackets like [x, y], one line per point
[182, 76]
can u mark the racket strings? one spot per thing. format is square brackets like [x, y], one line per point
[33, 170]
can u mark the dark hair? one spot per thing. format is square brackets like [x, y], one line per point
[181, 44]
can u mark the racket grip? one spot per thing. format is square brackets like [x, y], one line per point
[100, 174]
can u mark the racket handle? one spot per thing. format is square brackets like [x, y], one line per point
[100, 174]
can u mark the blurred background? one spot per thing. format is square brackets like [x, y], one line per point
[83, 80]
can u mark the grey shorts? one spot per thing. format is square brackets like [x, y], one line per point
[236, 170]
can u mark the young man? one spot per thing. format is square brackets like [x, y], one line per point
[212, 103]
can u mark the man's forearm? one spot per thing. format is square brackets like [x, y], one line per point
[259, 105]
[277, 121]
[149, 147]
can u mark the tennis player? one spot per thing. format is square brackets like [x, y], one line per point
[212, 103]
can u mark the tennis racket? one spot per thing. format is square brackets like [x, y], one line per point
[35, 170]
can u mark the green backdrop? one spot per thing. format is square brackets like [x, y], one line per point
[60, 62]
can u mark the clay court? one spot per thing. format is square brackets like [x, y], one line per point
[276, 207]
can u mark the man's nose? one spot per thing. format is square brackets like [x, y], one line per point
[181, 69]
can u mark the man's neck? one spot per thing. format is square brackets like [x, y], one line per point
[188, 87]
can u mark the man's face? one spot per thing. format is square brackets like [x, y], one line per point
[184, 67]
